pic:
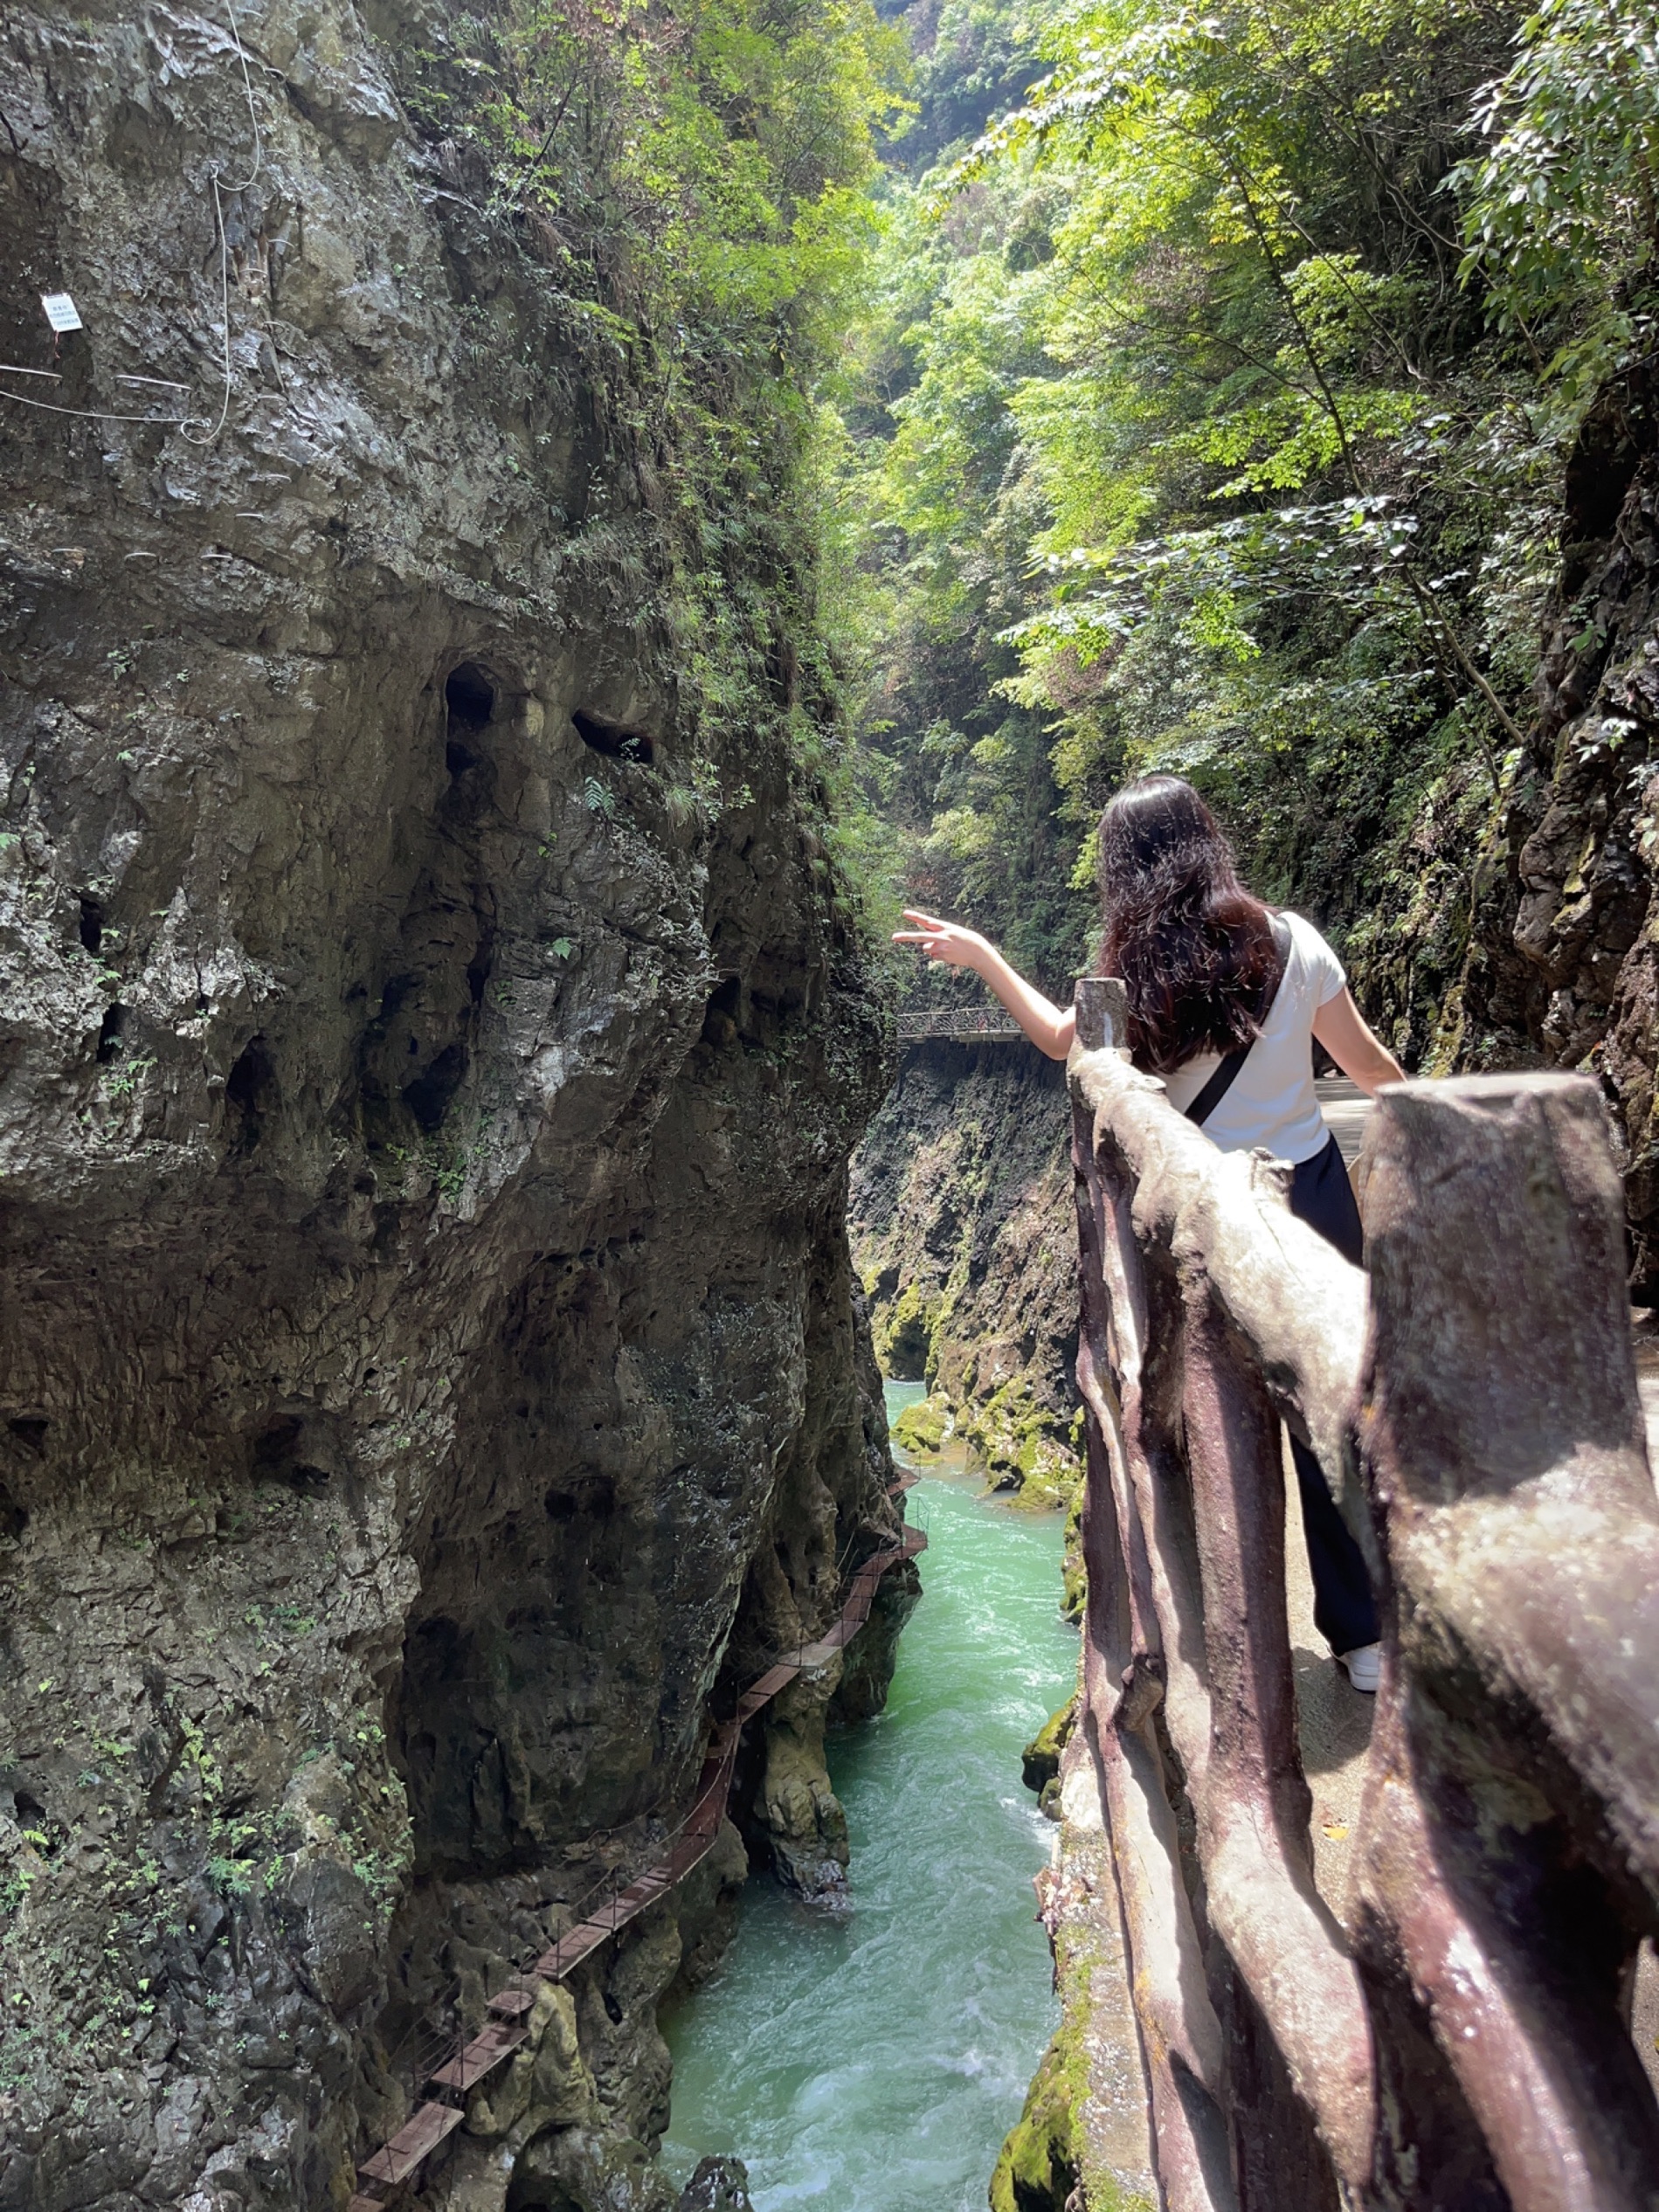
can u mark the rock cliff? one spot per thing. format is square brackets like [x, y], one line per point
[965, 1240]
[1529, 939]
[431, 1044]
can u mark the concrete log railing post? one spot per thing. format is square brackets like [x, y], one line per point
[1463, 2040]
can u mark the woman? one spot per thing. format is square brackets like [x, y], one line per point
[1225, 1000]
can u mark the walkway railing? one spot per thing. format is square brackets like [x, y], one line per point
[1464, 2041]
[616, 1900]
[967, 1024]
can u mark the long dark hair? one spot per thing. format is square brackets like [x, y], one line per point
[1194, 948]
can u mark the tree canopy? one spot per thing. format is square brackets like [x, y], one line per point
[1210, 413]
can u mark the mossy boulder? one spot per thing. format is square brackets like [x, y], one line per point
[921, 1429]
[1027, 1447]
[1038, 2168]
[1039, 1763]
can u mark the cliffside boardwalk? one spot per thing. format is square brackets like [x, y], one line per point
[969, 1025]
[1463, 2037]
[398, 2163]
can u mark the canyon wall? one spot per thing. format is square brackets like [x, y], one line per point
[1551, 952]
[429, 1054]
[965, 1240]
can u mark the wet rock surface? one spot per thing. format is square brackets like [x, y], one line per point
[1554, 959]
[431, 1368]
[718, 2185]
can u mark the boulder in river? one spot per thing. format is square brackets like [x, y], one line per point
[718, 2185]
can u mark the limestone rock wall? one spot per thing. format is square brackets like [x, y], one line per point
[965, 1241]
[429, 1349]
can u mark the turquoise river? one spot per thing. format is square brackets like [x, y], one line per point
[873, 2063]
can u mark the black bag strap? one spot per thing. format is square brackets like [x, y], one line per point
[1225, 1071]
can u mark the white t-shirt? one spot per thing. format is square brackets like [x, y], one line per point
[1272, 1101]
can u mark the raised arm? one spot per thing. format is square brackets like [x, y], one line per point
[1355, 1046]
[1048, 1027]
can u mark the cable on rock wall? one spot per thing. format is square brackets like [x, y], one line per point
[219, 187]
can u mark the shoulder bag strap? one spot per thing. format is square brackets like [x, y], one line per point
[1226, 1072]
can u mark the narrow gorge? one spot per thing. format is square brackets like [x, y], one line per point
[528, 537]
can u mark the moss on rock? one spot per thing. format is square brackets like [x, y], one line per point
[903, 1330]
[1024, 1446]
[1039, 2167]
[921, 1427]
[1040, 1762]
[1074, 1577]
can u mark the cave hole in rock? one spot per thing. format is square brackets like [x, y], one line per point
[250, 1091]
[29, 1808]
[612, 740]
[721, 1017]
[13, 1518]
[469, 698]
[613, 2011]
[30, 1430]
[279, 1456]
[92, 922]
[109, 1034]
[429, 1096]
[469, 703]
[592, 1497]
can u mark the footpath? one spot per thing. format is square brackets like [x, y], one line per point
[396, 2166]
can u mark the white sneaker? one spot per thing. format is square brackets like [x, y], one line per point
[1364, 1667]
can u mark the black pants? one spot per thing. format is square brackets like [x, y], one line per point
[1343, 1609]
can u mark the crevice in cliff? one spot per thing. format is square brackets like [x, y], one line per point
[111, 1030]
[250, 1094]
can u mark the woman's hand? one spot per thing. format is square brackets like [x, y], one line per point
[945, 941]
[1049, 1027]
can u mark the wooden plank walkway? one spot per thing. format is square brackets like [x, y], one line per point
[426, 2127]
[481, 2057]
[1344, 1106]
[397, 2163]
[969, 1025]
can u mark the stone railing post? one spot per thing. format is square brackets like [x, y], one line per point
[1101, 1005]
[1511, 1831]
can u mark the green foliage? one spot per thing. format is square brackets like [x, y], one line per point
[690, 187]
[1560, 211]
[1209, 413]
[718, 151]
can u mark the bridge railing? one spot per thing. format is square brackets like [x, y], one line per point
[1462, 2040]
[964, 1023]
